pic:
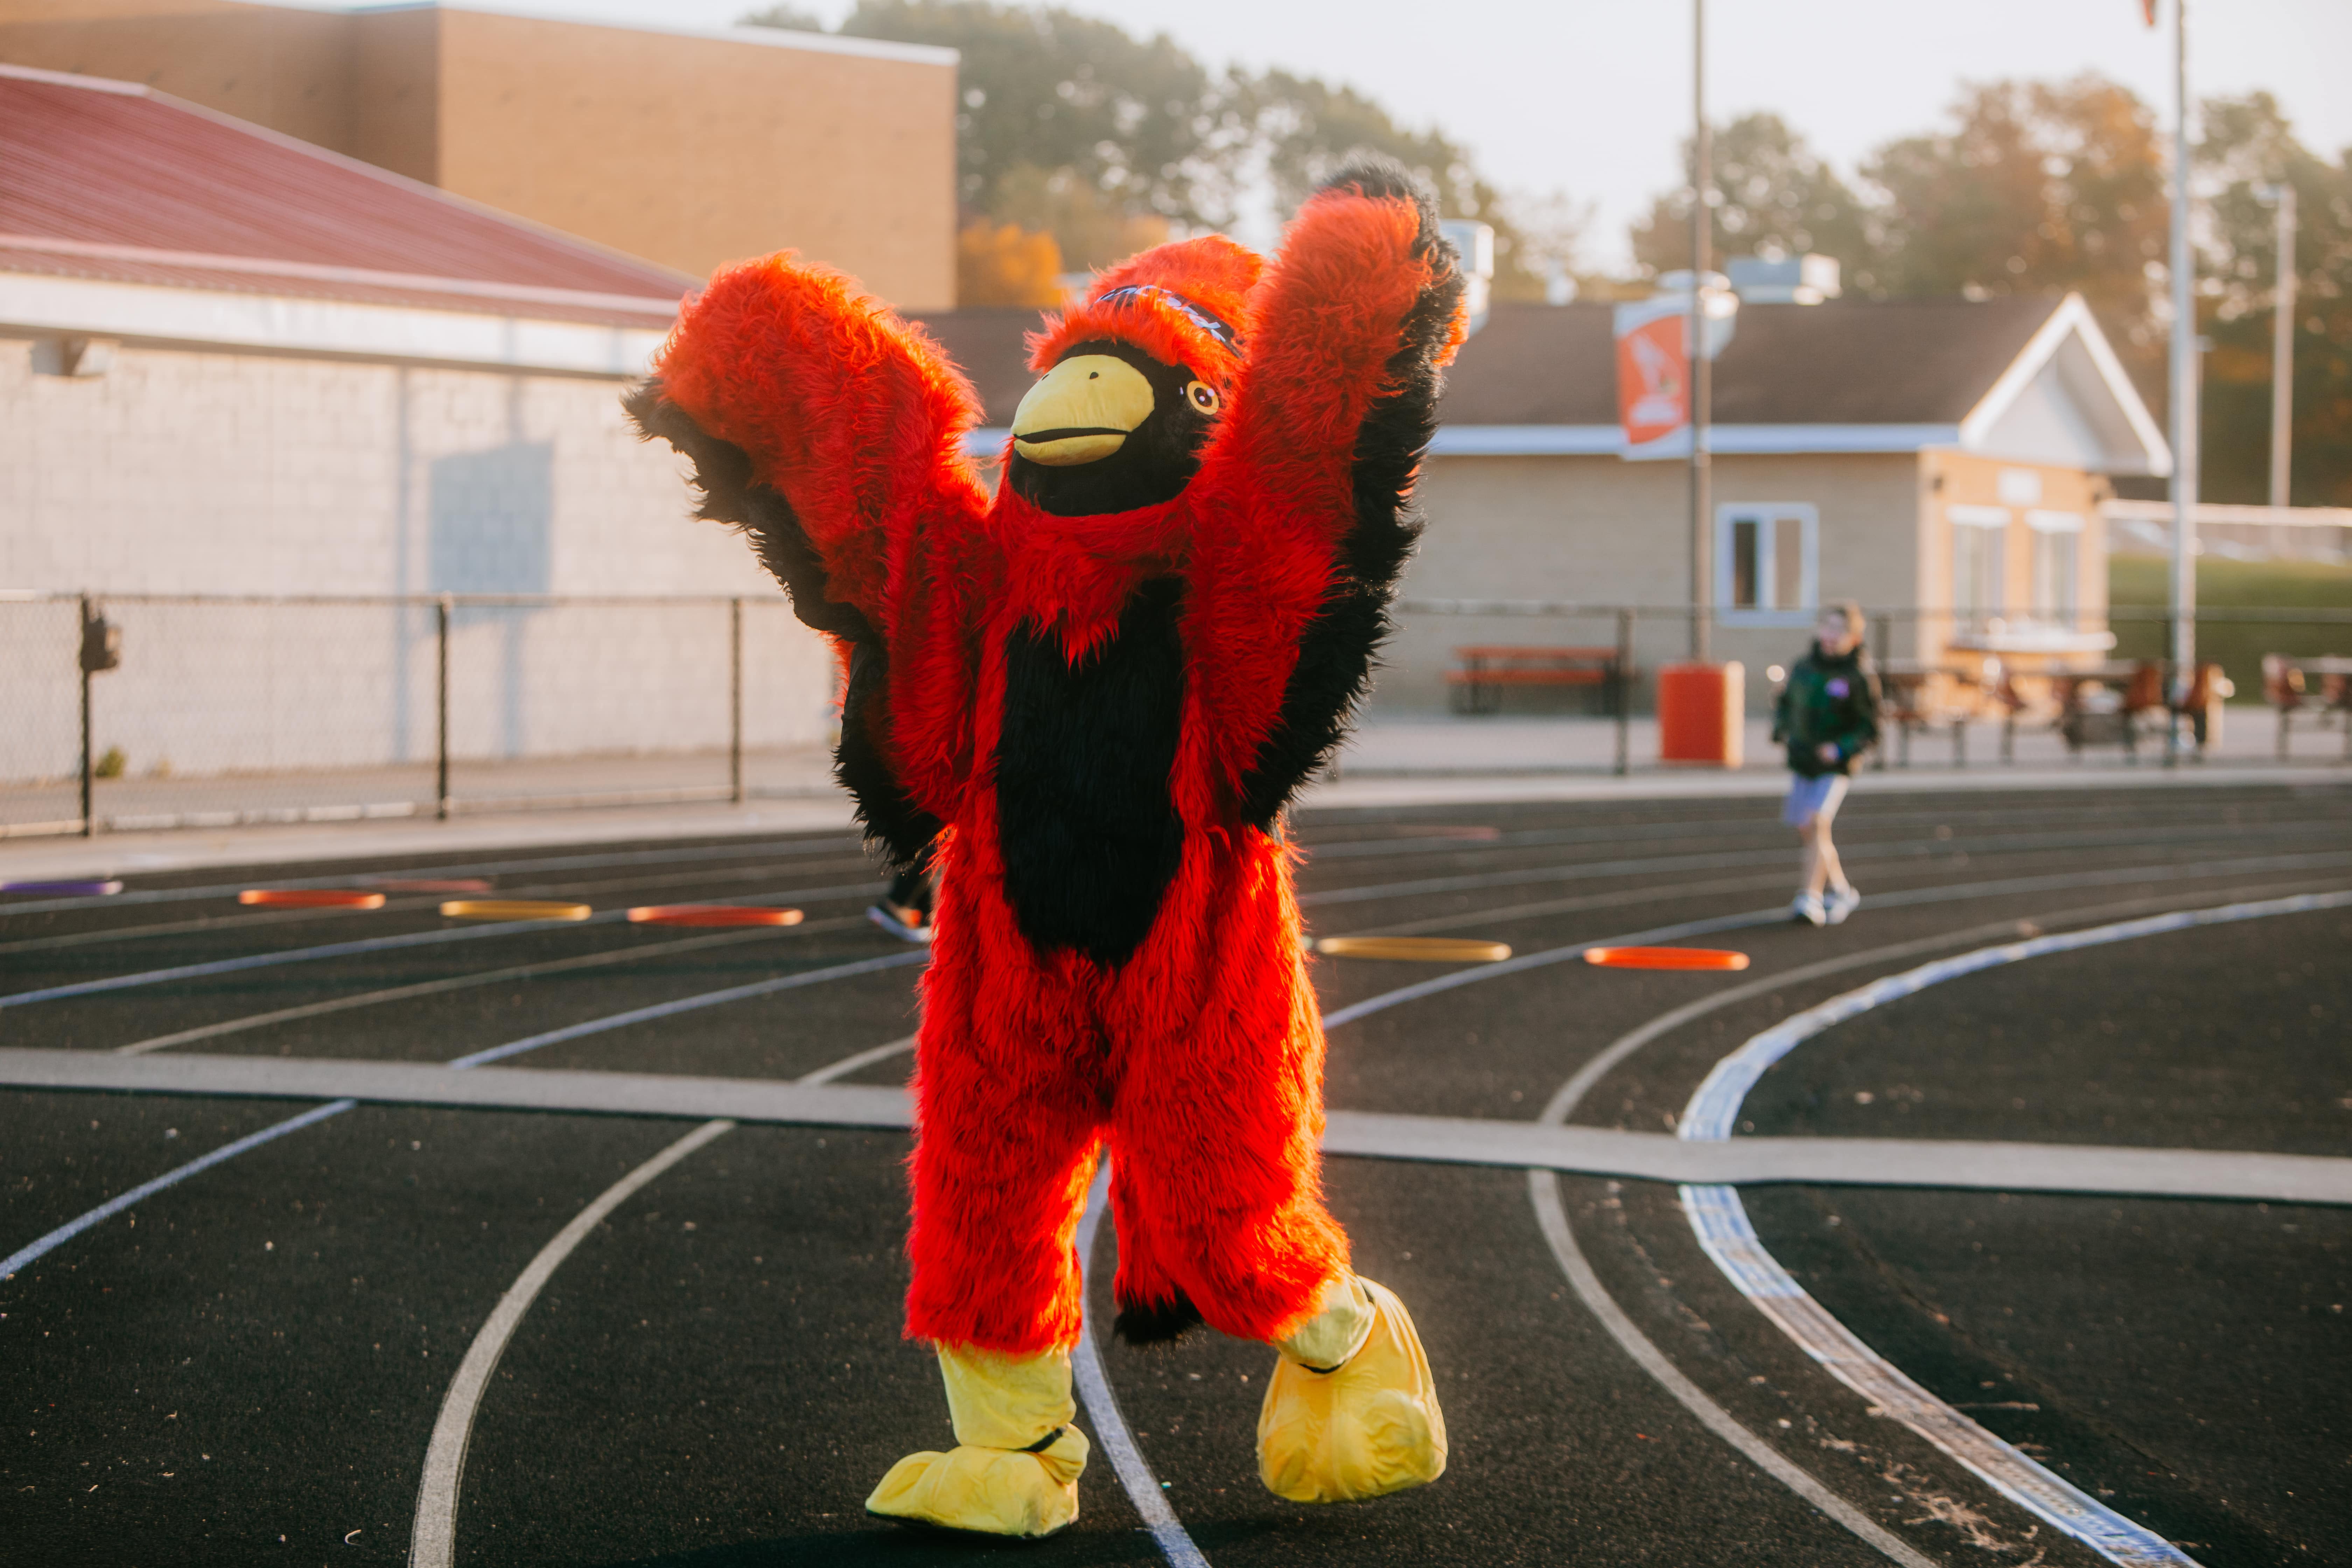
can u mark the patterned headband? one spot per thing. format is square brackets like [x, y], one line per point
[1183, 307]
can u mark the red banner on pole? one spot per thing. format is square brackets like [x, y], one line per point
[1653, 379]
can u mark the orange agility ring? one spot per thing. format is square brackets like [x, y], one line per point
[1415, 949]
[711, 915]
[513, 910]
[1665, 958]
[310, 899]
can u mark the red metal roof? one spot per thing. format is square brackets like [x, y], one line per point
[107, 179]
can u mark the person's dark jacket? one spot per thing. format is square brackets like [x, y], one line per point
[1832, 697]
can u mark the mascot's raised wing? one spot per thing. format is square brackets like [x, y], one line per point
[1090, 698]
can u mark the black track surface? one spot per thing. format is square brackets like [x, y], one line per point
[247, 1366]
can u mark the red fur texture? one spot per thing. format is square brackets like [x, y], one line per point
[1198, 1061]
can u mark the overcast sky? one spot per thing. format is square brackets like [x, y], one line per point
[1590, 97]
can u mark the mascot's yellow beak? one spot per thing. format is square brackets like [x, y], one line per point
[1082, 411]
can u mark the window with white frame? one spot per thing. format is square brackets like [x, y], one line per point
[1767, 561]
[2057, 552]
[1979, 535]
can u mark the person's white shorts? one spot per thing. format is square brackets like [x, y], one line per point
[1814, 799]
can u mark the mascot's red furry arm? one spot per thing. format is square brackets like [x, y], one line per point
[1097, 689]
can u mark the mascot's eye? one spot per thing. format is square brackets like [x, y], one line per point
[1202, 396]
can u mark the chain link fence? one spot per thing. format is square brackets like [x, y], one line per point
[230, 710]
[219, 711]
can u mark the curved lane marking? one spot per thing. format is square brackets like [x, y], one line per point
[115, 1205]
[145, 1190]
[433, 1540]
[1543, 1188]
[1111, 1428]
[434, 1536]
[1721, 1225]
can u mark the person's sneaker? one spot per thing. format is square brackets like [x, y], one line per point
[1842, 902]
[906, 924]
[1807, 907]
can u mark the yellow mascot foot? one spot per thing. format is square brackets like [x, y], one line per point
[989, 1492]
[1351, 1411]
[1015, 1466]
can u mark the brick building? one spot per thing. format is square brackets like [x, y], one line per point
[685, 147]
[232, 363]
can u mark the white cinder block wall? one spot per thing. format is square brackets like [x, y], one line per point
[196, 471]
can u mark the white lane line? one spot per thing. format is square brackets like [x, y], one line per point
[369, 944]
[1135, 1477]
[863, 1058]
[1714, 1107]
[690, 1004]
[814, 1101]
[1897, 850]
[227, 1152]
[432, 1538]
[789, 848]
[1778, 914]
[433, 1541]
[473, 978]
[145, 1190]
[1460, 977]
[1721, 1225]
[1543, 1187]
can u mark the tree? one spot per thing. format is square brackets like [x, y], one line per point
[1780, 198]
[2248, 144]
[1074, 127]
[1303, 128]
[1133, 119]
[2038, 188]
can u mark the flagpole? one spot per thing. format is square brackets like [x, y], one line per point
[2184, 389]
[1702, 370]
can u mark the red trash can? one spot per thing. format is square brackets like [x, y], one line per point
[1702, 712]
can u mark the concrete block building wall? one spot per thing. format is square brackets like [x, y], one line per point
[180, 472]
[1599, 531]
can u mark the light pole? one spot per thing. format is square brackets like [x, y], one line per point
[2185, 423]
[2283, 308]
[1702, 370]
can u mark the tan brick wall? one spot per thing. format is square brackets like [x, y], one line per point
[1604, 531]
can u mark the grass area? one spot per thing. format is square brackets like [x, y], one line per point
[2224, 585]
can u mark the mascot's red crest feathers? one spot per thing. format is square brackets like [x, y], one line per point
[1182, 303]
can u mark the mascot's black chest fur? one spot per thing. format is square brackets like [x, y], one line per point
[1090, 835]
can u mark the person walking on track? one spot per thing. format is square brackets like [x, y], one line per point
[1827, 715]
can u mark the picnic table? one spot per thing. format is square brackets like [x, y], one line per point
[1489, 669]
[2287, 687]
[1903, 686]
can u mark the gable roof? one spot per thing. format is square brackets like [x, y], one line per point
[112, 181]
[2028, 378]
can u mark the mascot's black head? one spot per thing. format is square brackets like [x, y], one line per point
[1135, 388]
[1109, 428]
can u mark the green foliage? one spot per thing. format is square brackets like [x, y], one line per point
[1779, 198]
[1072, 126]
[111, 764]
[2249, 145]
[2144, 581]
[1134, 119]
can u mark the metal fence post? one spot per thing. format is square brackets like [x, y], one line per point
[81, 662]
[441, 707]
[1624, 683]
[1878, 753]
[735, 700]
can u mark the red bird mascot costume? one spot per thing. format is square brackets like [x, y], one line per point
[1097, 691]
